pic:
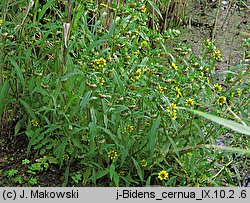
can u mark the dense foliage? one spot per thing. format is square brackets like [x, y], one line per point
[104, 99]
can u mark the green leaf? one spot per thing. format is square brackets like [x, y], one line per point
[152, 135]
[222, 121]
[4, 95]
[40, 90]
[33, 136]
[45, 8]
[72, 98]
[116, 179]
[112, 29]
[138, 168]
[85, 100]
[93, 129]
[76, 72]
[148, 181]
[174, 146]
[155, 8]
[101, 174]
[28, 108]
[60, 150]
[66, 177]
[111, 171]
[18, 72]
[52, 160]
[112, 136]
[118, 82]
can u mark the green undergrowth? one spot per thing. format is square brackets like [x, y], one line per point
[113, 102]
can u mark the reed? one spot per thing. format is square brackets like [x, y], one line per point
[164, 13]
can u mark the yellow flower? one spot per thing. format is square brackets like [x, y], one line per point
[100, 80]
[200, 76]
[112, 154]
[217, 87]
[122, 173]
[207, 43]
[1, 21]
[138, 73]
[144, 43]
[208, 80]
[163, 175]
[129, 128]
[144, 163]
[173, 106]
[189, 102]
[137, 53]
[221, 100]
[217, 55]
[5, 75]
[102, 4]
[239, 91]
[143, 9]
[34, 123]
[174, 66]
[178, 90]
[160, 89]
[101, 62]
[172, 111]
[65, 157]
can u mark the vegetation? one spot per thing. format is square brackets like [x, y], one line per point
[109, 95]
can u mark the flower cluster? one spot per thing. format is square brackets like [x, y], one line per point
[129, 128]
[172, 111]
[212, 49]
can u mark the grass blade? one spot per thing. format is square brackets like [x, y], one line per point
[222, 121]
[155, 8]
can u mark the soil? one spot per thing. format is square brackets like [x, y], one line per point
[232, 20]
